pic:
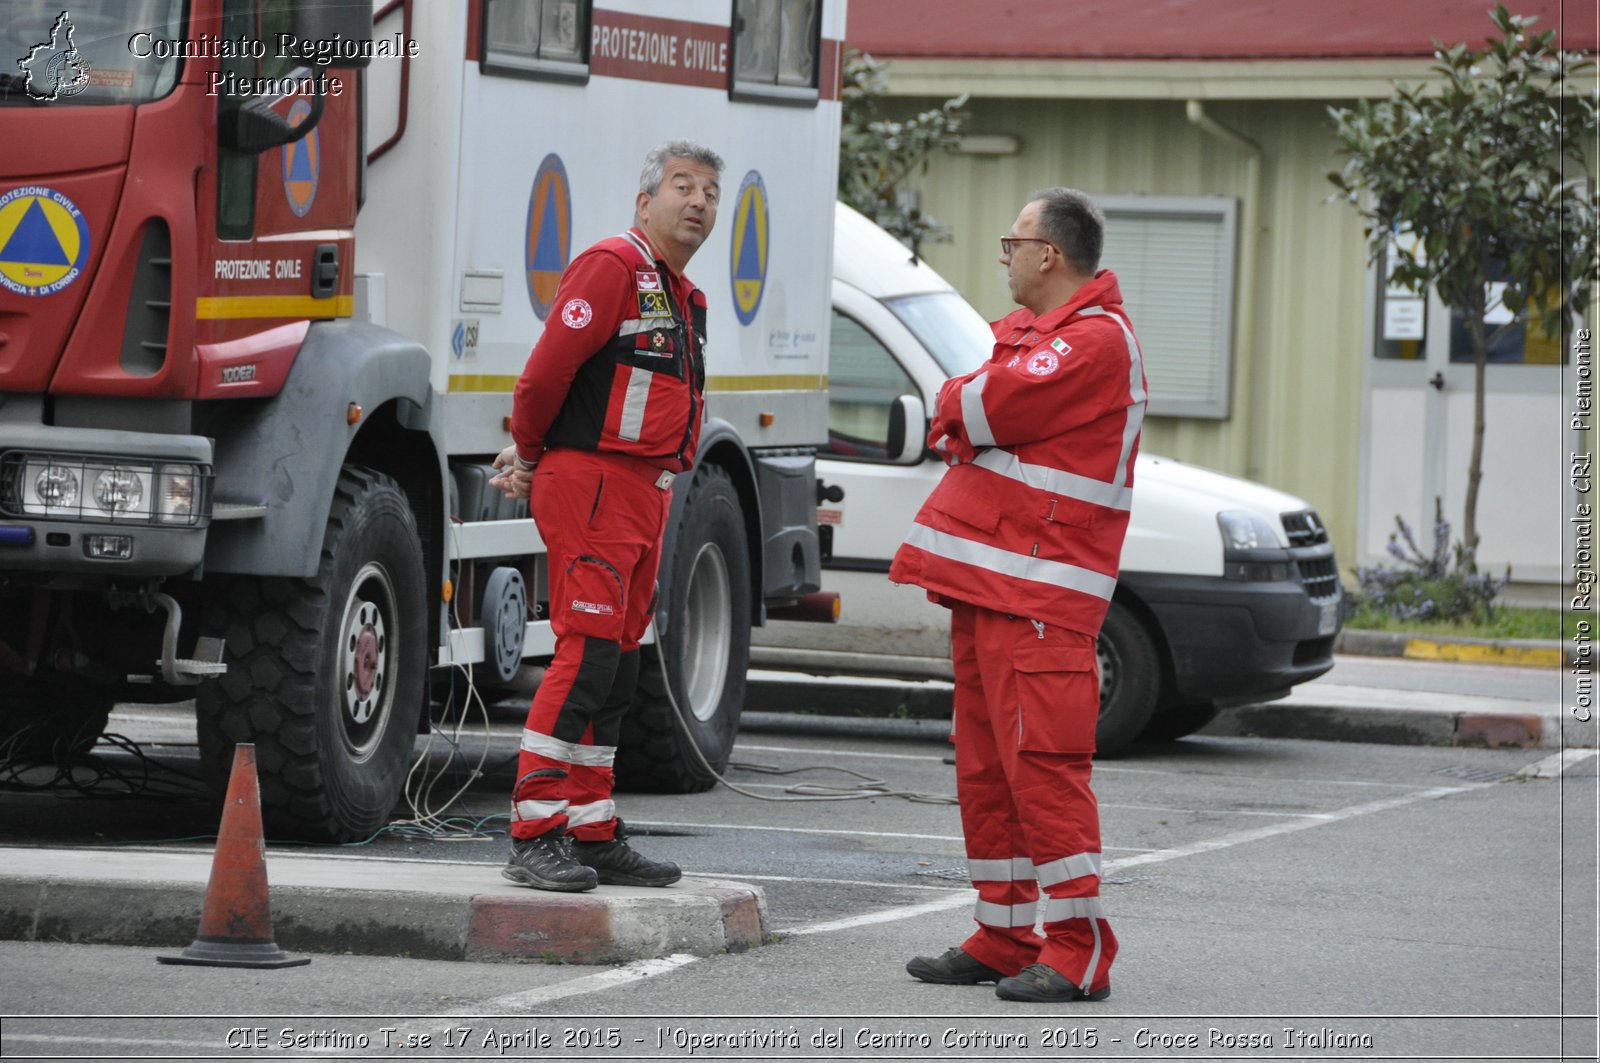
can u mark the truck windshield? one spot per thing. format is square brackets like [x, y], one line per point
[89, 52]
[956, 334]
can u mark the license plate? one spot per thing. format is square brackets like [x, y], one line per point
[1328, 622]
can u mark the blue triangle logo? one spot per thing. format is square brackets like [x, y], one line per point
[547, 253]
[749, 268]
[34, 242]
[300, 162]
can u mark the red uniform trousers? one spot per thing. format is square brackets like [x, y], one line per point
[1026, 701]
[601, 517]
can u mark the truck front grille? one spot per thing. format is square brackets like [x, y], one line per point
[144, 337]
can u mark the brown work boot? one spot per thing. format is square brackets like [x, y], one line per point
[1043, 984]
[955, 967]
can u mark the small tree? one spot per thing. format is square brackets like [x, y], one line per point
[1490, 172]
[876, 155]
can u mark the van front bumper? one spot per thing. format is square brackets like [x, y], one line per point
[1234, 641]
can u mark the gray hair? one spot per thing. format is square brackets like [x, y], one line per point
[655, 163]
[1070, 220]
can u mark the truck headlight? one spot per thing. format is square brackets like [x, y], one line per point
[121, 491]
[1243, 530]
[55, 487]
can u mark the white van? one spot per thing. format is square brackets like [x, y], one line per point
[1229, 591]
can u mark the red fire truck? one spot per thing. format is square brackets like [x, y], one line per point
[268, 271]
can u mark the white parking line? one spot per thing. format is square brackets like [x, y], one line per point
[1556, 764]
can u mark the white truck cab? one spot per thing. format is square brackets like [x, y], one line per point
[1229, 591]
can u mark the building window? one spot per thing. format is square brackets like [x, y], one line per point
[775, 49]
[1402, 315]
[1174, 259]
[537, 38]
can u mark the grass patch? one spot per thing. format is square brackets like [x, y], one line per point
[1508, 623]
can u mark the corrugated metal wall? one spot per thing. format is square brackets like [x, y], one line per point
[1296, 404]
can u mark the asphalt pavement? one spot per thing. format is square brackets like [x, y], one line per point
[438, 910]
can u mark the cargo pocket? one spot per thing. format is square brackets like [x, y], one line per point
[1058, 691]
[595, 596]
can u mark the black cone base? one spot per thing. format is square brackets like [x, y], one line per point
[234, 954]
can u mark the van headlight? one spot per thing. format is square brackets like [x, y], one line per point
[1243, 530]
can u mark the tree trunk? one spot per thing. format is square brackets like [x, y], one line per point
[1480, 362]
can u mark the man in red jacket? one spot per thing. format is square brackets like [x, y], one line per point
[607, 411]
[1021, 540]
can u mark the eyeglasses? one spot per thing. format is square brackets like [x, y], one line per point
[1008, 244]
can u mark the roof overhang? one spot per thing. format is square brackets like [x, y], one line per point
[1164, 79]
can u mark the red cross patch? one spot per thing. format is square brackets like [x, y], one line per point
[1043, 363]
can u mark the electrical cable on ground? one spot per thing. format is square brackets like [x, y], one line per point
[805, 791]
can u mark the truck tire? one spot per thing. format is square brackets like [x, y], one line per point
[1173, 723]
[707, 650]
[326, 675]
[1130, 680]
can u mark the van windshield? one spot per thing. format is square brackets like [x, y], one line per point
[89, 52]
[956, 334]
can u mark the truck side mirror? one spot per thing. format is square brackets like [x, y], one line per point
[907, 429]
[254, 127]
[347, 22]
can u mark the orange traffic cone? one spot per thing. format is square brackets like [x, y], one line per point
[236, 922]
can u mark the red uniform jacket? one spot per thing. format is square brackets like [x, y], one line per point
[1041, 439]
[620, 366]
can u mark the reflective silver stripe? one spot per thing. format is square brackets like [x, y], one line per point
[1079, 865]
[526, 810]
[568, 752]
[973, 413]
[633, 403]
[634, 326]
[1014, 869]
[1094, 959]
[644, 248]
[1058, 908]
[1136, 392]
[593, 812]
[1006, 563]
[1057, 481]
[1005, 915]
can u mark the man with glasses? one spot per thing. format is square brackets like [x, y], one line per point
[1021, 541]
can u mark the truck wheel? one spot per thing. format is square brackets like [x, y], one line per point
[326, 675]
[1130, 680]
[1171, 724]
[707, 649]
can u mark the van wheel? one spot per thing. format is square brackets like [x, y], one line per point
[1130, 680]
[325, 675]
[706, 646]
[1173, 723]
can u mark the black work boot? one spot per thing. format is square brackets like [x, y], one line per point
[618, 864]
[546, 863]
[955, 967]
[1043, 984]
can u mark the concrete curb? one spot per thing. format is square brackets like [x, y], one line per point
[325, 905]
[1528, 653]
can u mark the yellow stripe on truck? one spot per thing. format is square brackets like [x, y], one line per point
[298, 307]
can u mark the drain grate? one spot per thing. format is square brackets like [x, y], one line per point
[1475, 774]
[953, 874]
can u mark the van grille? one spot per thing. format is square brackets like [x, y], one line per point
[1320, 576]
[1304, 528]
